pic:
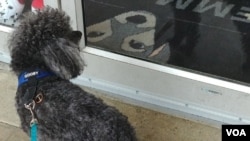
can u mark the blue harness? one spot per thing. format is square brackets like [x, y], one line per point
[31, 78]
[38, 74]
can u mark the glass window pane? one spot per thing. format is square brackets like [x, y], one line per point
[208, 36]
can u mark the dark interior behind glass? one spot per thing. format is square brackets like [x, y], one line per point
[209, 36]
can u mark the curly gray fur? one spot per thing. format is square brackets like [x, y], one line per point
[45, 40]
[34, 39]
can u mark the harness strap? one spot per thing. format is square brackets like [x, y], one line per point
[31, 96]
[38, 74]
[31, 91]
[32, 78]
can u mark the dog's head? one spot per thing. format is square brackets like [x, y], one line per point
[45, 40]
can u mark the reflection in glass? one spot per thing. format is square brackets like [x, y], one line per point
[210, 36]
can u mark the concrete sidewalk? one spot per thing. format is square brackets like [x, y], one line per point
[11, 133]
[149, 125]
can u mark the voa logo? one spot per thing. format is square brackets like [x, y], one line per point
[236, 132]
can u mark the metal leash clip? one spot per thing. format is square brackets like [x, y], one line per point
[33, 122]
[31, 107]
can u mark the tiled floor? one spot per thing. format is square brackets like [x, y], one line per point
[149, 125]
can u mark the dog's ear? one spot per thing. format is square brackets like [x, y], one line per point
[63, 58]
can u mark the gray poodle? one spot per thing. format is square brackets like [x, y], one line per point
[45, 55]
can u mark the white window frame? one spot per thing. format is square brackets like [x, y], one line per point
[166, 89]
